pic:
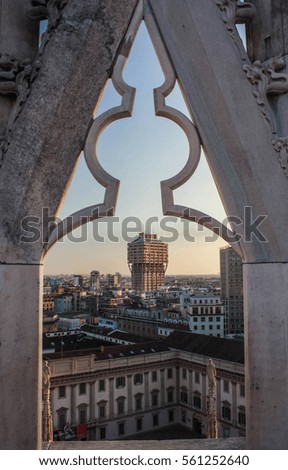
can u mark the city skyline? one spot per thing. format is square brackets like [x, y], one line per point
[128, 149]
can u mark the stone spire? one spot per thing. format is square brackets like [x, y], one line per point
[212, 427]
[47, 426]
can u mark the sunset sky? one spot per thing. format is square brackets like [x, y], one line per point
[140, 151]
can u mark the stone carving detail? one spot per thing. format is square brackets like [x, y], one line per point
[212, 426]
[233, 12]
[281, 147]
[9, 69]
[47, 426]
[267, 80]
[47, 9]
[15, 79]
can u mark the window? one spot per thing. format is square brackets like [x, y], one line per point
[242, 390]
[62, 391]
[155, 420]
[102, 433]
[62, 417]
[138, 402]
[226, 386]
[82, 389]
[241, 416]
[138, 379]
[195, 328]
[184, 373]
[184, 395]
[171, 416]
[210, 327]
[120, 382]
[226, 411]
[184, 416]
[121, 405]
[170, 395]
[203, 327]
[102, 410]
[101, 385]
[139, 424]
[197, 401]
[203, 319]
[169, 373]
[154, 375]
[82, 412]
[121, 429]
[210, 318]
[154, 397]
[197, 377]
[195, 318]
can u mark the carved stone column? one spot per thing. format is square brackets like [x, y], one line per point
[234, 404]
[73, 417]
[92, 402]
[146, 390]
[129, 394]
[111, 398]
[162, 387]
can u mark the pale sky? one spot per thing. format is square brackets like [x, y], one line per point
[140, 151]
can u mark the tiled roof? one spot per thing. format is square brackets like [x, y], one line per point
[218, 348]
[211, 346]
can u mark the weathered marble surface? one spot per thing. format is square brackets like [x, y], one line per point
[266, 343]
[20, 356]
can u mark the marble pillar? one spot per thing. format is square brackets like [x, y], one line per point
[266, 353]
[20, 356]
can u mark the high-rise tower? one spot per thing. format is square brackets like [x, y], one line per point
[232, 290]
[147, 260]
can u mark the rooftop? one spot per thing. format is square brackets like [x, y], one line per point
[209, 346]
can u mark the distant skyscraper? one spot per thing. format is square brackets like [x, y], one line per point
[95, 280]
[147, 260]
[232, 290]
[77, 280]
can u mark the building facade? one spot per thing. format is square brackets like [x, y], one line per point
[144, 388]
[206, 315]
[147, 260]
[232, 290]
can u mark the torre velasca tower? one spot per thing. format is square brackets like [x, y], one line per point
[147, 260]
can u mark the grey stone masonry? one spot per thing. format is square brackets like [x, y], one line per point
[58, 98]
